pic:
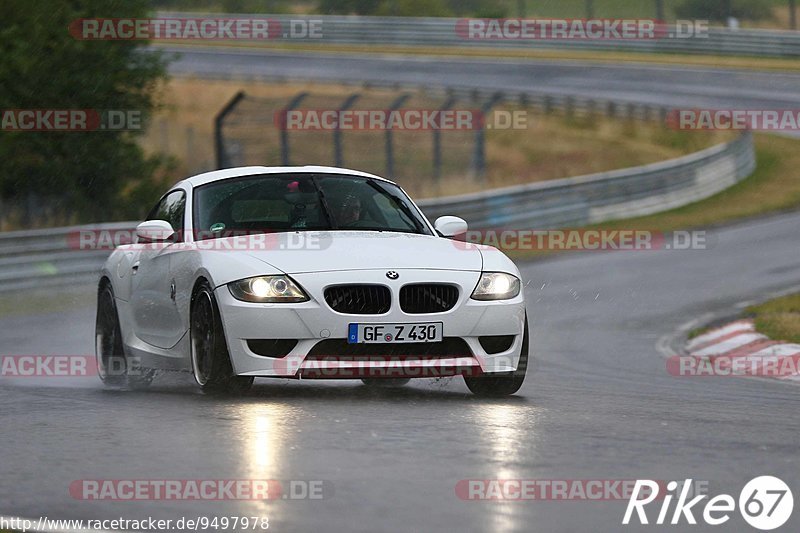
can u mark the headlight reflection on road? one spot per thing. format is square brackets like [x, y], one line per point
[264, 442]
[266, 438]
[507, 431]
[509, 435]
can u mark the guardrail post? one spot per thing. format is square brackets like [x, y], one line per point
[293, 103]
[337, 132]
[219, 145]
[397, 104]
[437, 141]
[479, 155]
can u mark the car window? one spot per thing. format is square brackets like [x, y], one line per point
[368, 204]
[171, 208]
[302, 202]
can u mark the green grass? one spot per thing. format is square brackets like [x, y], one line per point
[779, 319]
[20, 303]
[773, 187]
[696, 332]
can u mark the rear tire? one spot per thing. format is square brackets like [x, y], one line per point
[114, 368]
[211, 361]
[506, 383]
[387, 383]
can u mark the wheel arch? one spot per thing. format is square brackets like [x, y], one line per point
[103, 282]
[199, 281]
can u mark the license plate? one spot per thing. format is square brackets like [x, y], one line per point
[395, 333]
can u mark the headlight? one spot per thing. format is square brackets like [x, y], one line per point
[267, 289]
[496, 286]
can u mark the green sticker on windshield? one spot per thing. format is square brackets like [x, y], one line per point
[219, 226]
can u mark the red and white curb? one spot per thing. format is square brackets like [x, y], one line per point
[737, 350]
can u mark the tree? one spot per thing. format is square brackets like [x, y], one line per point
[660, 10]
[43, 67]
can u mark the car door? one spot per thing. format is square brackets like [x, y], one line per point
[155, 314]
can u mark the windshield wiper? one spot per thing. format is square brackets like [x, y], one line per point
[324, 203]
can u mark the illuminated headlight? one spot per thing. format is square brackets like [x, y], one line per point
[496, 286]
[267, 289]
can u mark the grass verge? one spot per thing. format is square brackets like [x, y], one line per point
[773, 187]
[778, 319]
[37, 301]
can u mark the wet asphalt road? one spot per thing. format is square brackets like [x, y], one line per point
[670, 86]
[599, 404]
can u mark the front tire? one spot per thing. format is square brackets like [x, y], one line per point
[211, 362]
[506, 383]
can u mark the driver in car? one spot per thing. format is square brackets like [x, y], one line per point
[347, 211]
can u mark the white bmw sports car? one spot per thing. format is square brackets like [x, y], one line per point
[307, 272]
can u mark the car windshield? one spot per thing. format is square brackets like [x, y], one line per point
[302, 202]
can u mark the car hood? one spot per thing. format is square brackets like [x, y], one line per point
[368, 250]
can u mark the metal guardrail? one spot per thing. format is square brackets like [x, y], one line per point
[604, 196]
[49, 257]
[441, 32]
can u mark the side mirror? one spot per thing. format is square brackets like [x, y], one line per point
[450, 226]
[154, 231]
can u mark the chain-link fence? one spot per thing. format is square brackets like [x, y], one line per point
[254, 131]
[430, 160]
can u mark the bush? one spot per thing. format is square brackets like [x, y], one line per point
[44, 67]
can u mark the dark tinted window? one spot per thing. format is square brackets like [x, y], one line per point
[301, 202]
[171, 208]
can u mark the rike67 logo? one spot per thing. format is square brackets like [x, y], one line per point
[765, 503]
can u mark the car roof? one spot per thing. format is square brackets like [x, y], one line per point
[216, 175]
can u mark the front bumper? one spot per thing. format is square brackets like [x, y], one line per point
[313, 322]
